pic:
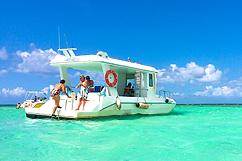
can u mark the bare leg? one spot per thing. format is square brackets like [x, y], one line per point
[57, 101]
[84, 102]
[54, 110]
[80, 103]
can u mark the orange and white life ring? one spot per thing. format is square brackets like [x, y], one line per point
[111, 78]
[30, 105]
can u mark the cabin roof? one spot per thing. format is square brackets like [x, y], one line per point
[94, 63]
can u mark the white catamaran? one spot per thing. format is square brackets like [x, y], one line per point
[107, 100]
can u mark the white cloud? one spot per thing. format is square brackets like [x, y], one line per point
[77, 74]
[212, 75]
[235, 83]
[226, 71]
[3, 54]
[195, 83]
[46, 90]
[98, 78]
[32, 45]
[37, 62]
[179, 94]
[3, 72]
[19, 91]
[224, 91]
[230, 89]
[191, 73]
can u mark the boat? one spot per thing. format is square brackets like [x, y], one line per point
[109, 99]
[34, 99]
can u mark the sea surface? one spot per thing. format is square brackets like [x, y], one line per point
[190, 132]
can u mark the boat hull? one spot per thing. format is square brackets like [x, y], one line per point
[104, 106]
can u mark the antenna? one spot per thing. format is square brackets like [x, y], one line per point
[66, 40]
[59, 36]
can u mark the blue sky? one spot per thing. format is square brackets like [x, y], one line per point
[195, 45]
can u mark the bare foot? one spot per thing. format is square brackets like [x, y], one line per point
[77, 109]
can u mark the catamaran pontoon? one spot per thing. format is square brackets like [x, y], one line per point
[107, 100]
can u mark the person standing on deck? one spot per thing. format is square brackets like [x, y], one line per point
[83, 92]
[90, 84]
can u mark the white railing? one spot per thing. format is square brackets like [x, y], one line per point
[166, 94]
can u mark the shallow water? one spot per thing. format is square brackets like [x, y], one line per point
[188, 133]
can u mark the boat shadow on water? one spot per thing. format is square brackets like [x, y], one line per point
[135, 117]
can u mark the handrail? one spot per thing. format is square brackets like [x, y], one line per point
[166, 94]
[135, 92]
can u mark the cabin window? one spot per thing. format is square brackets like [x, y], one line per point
[150, 80]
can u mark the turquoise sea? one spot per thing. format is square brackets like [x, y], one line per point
[190, 132]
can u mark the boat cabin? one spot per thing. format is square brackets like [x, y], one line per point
[117, 73]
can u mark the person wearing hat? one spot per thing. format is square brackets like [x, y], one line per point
[83, 92]
[90, 84]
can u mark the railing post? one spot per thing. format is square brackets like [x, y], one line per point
[164, 94]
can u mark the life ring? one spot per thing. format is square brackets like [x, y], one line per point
[111, 84]
[30, 105]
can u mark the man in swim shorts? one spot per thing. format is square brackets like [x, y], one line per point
[83, 92]
[55, 94]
